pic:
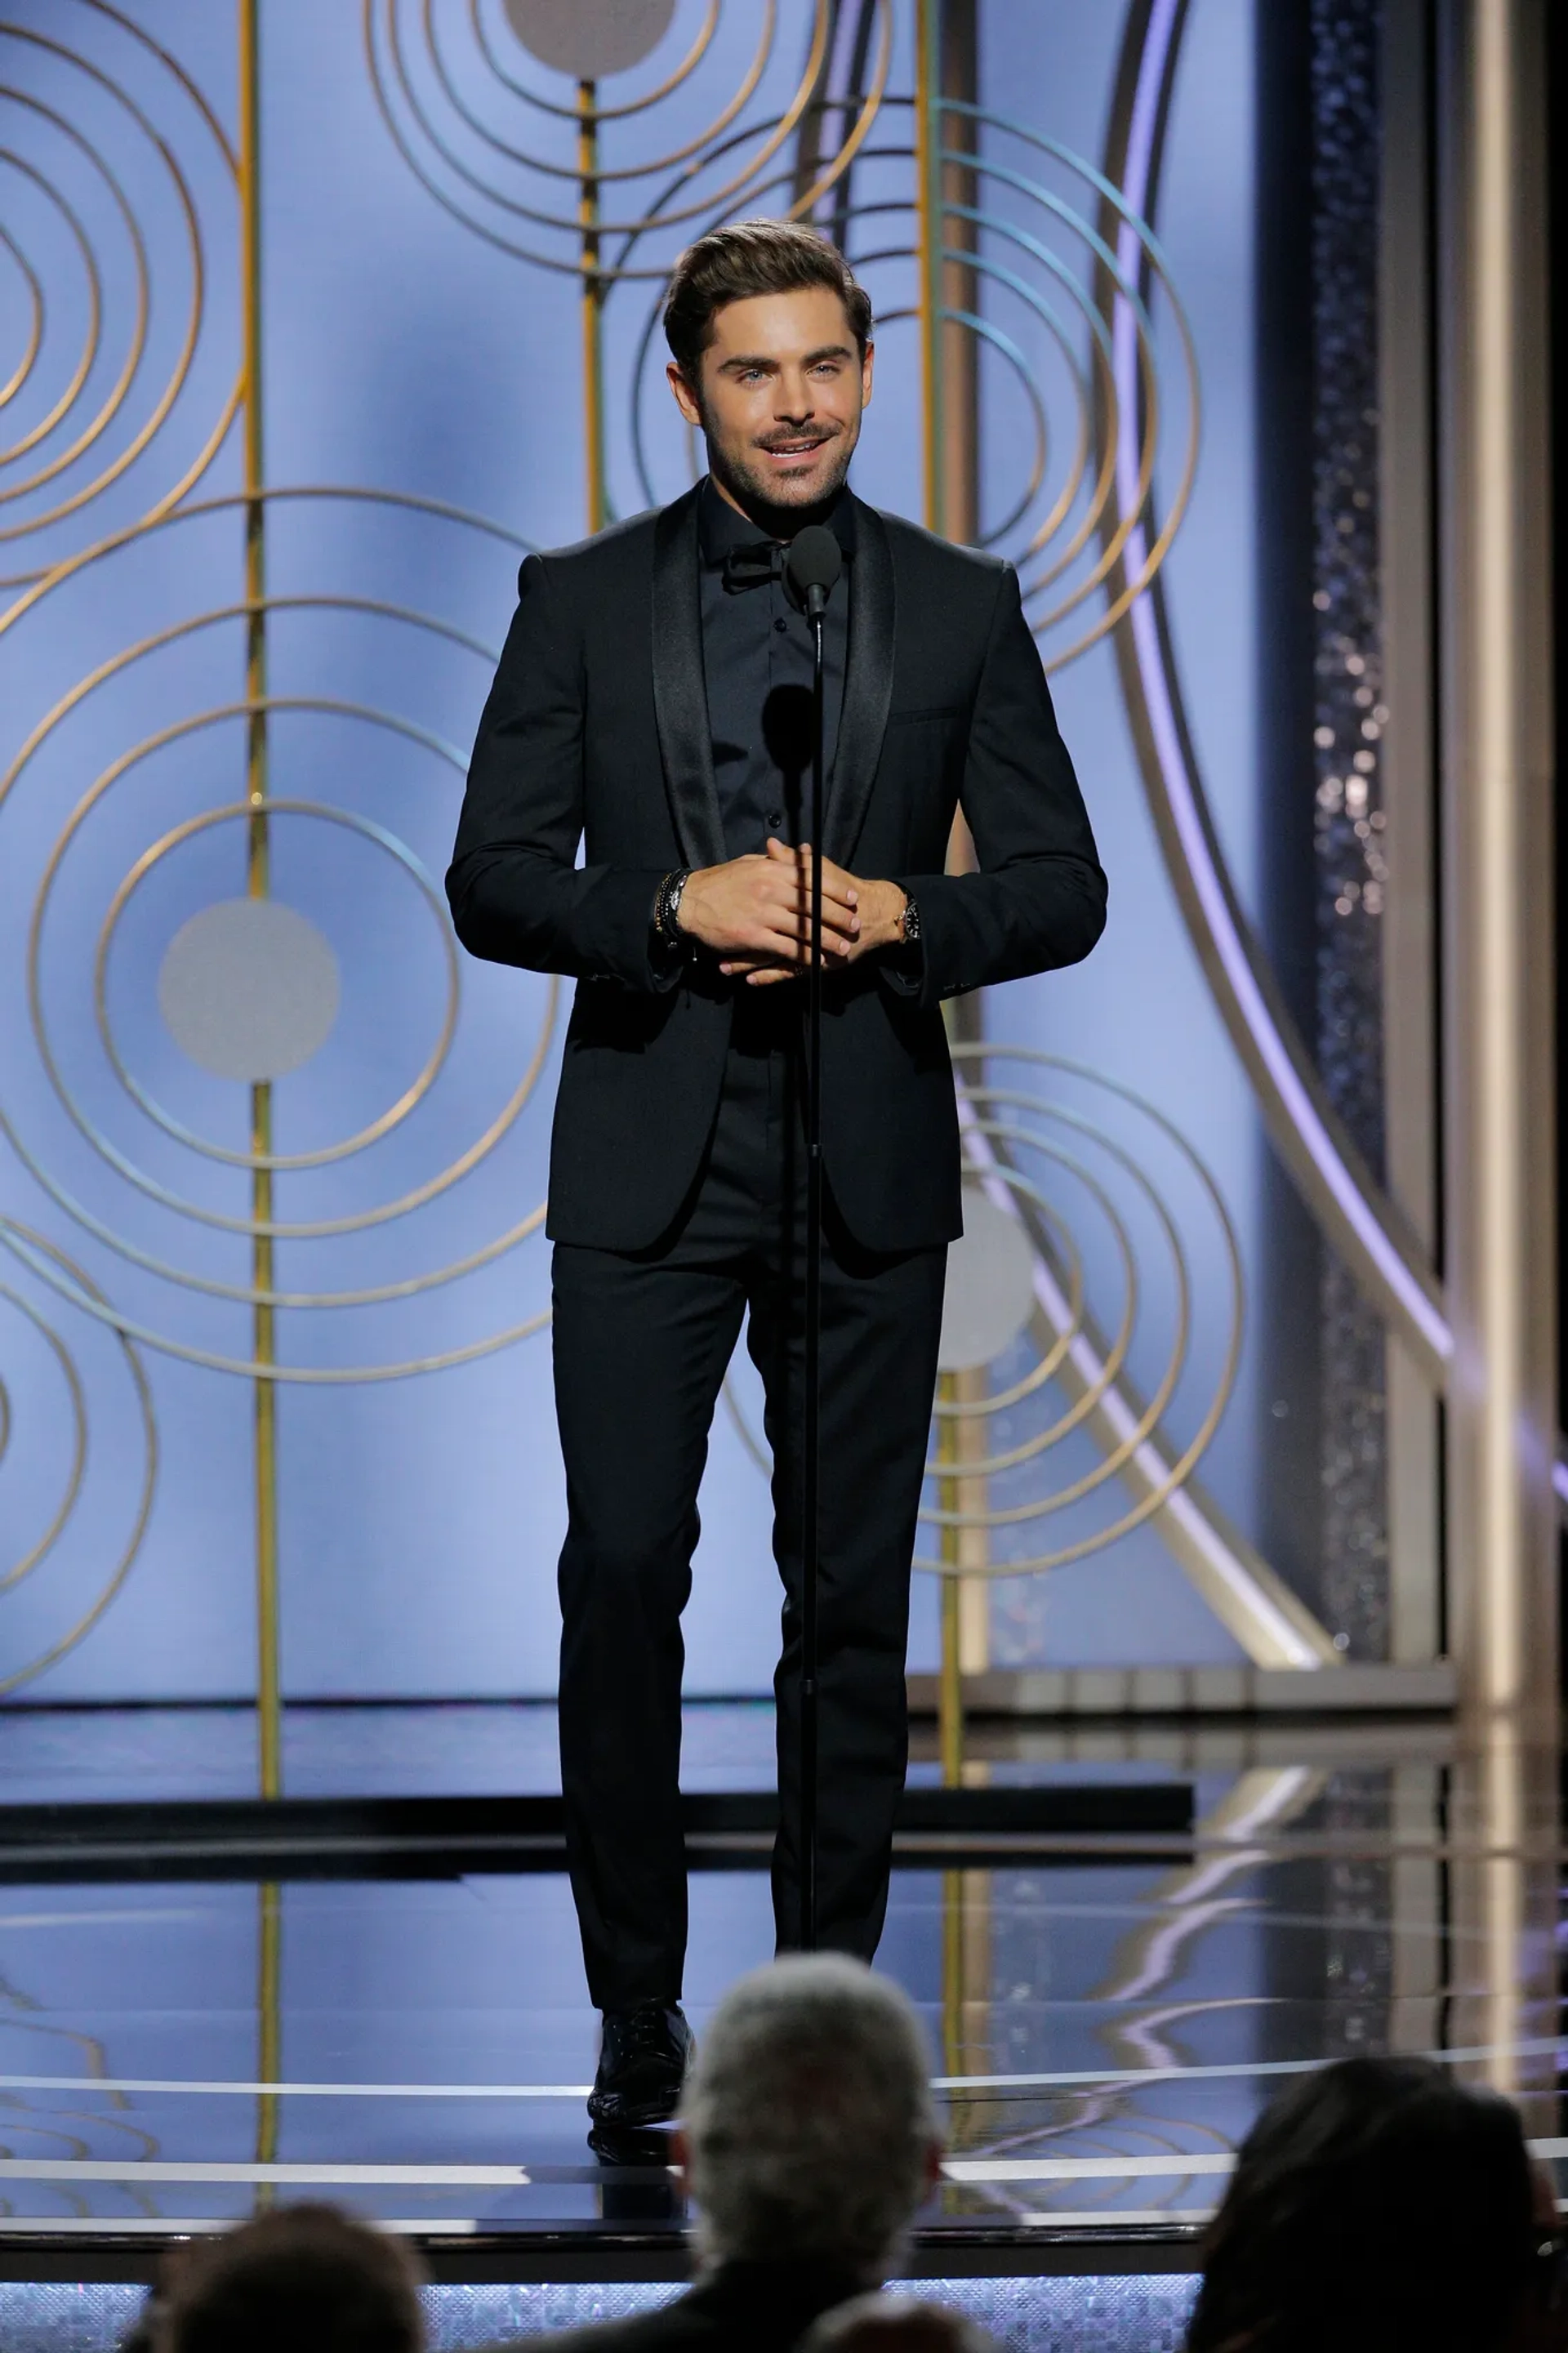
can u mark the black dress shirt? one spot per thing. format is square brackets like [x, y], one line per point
[756, 661]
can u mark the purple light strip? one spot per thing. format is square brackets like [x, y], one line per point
[1377, 1247]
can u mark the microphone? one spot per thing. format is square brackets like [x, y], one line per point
[812, 569]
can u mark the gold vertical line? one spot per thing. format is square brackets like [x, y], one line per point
[952, 1984]
[258, 878]
[950, 1679]
[928, 218]
[950, 1745]
[593, 302]
[268, 2026]
[957, 68]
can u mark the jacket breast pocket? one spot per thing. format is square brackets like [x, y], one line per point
[929, 714]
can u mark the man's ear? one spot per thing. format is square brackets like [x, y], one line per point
[867, 367]
[685, 398]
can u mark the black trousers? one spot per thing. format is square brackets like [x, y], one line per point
[641, 1345]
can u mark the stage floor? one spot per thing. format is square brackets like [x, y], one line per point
[1106, 2013]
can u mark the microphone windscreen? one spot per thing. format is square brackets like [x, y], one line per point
[814, 561]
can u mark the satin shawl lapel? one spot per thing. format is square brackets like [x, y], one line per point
[867, 685]
[679, 688]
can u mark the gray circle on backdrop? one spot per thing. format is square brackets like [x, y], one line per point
[248, 989]
[990, 1293]
[590, 38]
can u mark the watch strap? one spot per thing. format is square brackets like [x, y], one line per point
[667, 906]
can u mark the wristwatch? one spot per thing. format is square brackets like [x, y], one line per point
[910, 922]
[667, 907]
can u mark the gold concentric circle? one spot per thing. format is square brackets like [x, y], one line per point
[281, 809]
[469, 128]
[239, 812]
[1066, 1338]
[38, 1252]
[96, 429]
[991, 1145]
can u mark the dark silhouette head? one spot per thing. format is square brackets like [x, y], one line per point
[1377, 2203]
[306, 2278]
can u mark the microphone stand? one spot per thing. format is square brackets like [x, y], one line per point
[811, 1451]
[812, 565]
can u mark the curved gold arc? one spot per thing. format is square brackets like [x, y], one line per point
[141, 440]
[596, 116]
[1175, 1467]
[115, 396]
[116, 663]
[30, 279]
[1149, 1420]
[88, 1294]
[561, 223]
[747, 182]
[92, 332]
[164, 517]
[62, 1356]
[952, 1409]
[1123, 525]
[1053, 1356]
[299, 1375]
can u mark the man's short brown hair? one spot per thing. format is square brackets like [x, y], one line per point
[307, 2277]
[747, 257]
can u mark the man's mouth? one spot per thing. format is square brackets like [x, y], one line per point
[798, 449]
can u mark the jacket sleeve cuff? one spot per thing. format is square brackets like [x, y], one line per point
[615, 926]
[925, 973]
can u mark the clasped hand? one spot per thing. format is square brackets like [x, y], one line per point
[754, 914]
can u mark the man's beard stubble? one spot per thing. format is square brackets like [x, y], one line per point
[757, 490]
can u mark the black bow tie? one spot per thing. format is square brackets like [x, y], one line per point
[752, 566]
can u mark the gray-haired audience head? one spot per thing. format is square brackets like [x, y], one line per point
[808, 2129]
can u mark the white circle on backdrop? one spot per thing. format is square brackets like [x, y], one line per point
[990, 1293]
[590, 38]
[248, 989]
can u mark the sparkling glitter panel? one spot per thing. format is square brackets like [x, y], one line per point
[1348, 720]
[1029, 2316]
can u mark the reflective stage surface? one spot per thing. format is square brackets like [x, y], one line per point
[1106, 2013]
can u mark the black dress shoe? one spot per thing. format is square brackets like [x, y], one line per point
[643, 2059]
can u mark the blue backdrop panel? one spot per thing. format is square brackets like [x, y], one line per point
[406, 356]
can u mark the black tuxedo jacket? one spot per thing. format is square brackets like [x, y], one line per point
[596, 731]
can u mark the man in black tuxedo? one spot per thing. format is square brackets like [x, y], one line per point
[652, 704]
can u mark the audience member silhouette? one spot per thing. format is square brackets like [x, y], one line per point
[307, 2279]
[808, 2140]
[1380, 2204]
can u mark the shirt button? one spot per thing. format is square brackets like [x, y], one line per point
[780, 625]
[775, 821]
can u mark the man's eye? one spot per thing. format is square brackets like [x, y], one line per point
[751, 376]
